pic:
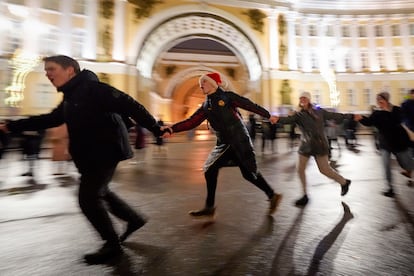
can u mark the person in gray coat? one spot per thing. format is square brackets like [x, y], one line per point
[311, 122]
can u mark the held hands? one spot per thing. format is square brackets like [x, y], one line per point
[273, 119]
[3, 127]
[166, 131]
[357, 117]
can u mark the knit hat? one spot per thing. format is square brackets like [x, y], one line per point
[213, 78]
[384, 96]
[306, 95]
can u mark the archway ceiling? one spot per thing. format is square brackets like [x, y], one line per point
[328, 6]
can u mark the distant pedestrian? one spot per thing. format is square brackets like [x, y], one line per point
[60, 149]
[251, 126]
[31, 144]
[139, 145]
[234, 146]
[268, 135]
[98, 140]
[311, 122]
[393, 139]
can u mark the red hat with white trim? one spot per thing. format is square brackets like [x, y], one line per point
[213, 78]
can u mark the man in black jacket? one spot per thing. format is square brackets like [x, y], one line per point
[94, 113]
[234, 146]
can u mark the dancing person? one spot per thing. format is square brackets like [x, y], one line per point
[313, 142]
[393, 138]
[234, 145]
[98, 140]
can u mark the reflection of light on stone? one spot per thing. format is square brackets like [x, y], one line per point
[329, 76]
[21, 64]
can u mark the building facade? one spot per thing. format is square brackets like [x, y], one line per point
[343, 52]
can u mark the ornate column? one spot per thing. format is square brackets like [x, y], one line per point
[291, 44]
[273, 41]
[119, 31]
[89, 50]
[65, 25]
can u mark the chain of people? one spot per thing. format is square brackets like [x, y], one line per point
[91, 127]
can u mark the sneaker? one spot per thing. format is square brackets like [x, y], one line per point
[205, 212]
[302, 201]
[131, 228]
[406, 173]
[345, 187]
[389, 193]
[27, 174]
[107, 253]
[274, 202]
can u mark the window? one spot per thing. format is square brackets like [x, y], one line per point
[381, 61]
[49, 43]
[297, 29]
[347, 61]
[329, 30]
[350, 97]
[312, 30]
[395, 29]
[314, 61]
[378, 31]
[362, 31]
[79, 6]
[50, 5]
[316, 95]
[364, 61]
[345, 31]
[367, 96]
[78, 38]
[398, 59]
[17, 2]
[13, 39]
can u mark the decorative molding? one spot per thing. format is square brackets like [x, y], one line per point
[256, 18]
[143, 8]
[107, 8]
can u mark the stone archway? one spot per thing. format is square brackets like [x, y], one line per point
[200, 24]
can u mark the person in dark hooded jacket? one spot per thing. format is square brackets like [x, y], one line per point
[94, 113]
[234, 146]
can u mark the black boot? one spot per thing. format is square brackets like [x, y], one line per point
[108, 252]
[302, 201]
[205, 212]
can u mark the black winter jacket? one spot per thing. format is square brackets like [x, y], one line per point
[93, 112]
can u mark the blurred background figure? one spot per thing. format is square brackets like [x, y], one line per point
[139, 145]
[31, 145]
[407, 108]
[393, 139]
[60, 152]
[268, 135]
[251, 127]
[331, 130]
[159, 140]
[350, 128]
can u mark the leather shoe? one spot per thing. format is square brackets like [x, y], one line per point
[108, 252]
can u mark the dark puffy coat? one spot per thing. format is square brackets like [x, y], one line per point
[220, 109]
[93, 112]
[392, 136]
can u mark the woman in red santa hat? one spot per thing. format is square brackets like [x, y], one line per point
[234, 146]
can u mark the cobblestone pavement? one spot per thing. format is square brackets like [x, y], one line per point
[42, 231]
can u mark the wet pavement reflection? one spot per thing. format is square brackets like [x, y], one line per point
[42, 231]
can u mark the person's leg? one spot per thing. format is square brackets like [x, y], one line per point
[303, 162]
[122, 210]
[386, 164]
[406, 162]
[92, 190]
[323, 164]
